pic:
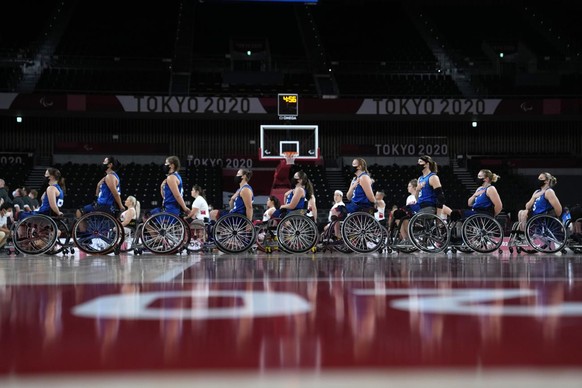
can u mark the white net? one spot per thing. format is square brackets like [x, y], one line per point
[290, 156]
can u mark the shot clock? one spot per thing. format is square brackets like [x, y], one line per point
[288, 106]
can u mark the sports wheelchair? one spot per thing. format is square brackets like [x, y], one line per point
[98, 233]
[478, 233]
[39, 233]
[543, 233]
[231, 233]
[360, 232]
[292, 233]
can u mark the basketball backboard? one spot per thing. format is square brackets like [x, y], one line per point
[277, 139]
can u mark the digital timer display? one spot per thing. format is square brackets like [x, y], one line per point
[287, 104]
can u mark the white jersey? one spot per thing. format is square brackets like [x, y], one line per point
[380, 213]
[202, 206]
[341, 203]
[410, 200]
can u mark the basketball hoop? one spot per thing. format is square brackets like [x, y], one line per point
[290, 156]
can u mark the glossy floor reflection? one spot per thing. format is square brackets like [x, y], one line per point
[285, 320]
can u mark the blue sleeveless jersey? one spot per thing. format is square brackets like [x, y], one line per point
[541, 205]
[359, 197]
[300, 204]
[105, 197]
[45, 207]
[239, 204]
[483, 201]
[414, 208]
[426, 196]
[169, 199]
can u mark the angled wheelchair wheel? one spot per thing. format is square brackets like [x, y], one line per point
[297, 233]
[267, 240]
[482, 233]
[63, 243]
[396, 242]
[97, 233]
[164, 233]
[234, 233]
[545, 233]
[35, 235]
[361, 232]
[428, 233]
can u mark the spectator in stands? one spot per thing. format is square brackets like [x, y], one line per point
[5, 208]
[298, 197]
[241, 202]
[18, 201]
[108, 191]
[542, 201]
[360, 192]
[486, 198]
[429, 191]
[26, 199]
[171, 189]
[33, 195]
[380, 208]
[52, 199]
[4, 197]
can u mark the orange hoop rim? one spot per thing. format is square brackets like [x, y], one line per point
[290, 156]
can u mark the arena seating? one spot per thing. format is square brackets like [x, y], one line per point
[14, 175]
[316, 174]
[370, 48]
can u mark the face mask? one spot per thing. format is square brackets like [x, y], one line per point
[166, 169]
[421, 167]
[541, 183]
[293, 182]
[46, 180]
[104, 167]
[238, 179]
[353, 169]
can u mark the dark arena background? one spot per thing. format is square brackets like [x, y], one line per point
[226, 85]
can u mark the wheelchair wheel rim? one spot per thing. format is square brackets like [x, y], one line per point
[362, 233]
[545, 234]
[163, 233]
[482, 233]
[35, 235]
[428, 233]
[297, 233]
[234, 234]
[97, 233]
